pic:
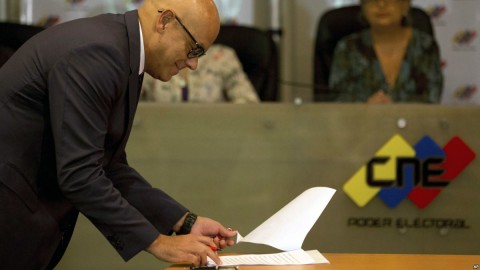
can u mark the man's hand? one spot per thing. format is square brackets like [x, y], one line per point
[191, 249]
[221, 236]
[204, 239]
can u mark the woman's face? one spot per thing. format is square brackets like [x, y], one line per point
[385, 13]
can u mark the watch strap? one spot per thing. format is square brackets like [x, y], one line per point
[188, 223]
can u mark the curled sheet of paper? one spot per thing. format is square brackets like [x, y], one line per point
[286, 230]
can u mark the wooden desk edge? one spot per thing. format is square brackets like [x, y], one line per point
[358, 261]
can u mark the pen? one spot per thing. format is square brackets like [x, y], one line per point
[220, 237]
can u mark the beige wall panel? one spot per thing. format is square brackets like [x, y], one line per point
[240, 164]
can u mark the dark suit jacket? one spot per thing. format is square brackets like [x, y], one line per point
[67, 102]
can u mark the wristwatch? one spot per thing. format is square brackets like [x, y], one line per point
[188, 224]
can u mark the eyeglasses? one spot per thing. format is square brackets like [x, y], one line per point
[198, 51]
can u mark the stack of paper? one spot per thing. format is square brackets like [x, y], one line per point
[295, 257]
[286, 230]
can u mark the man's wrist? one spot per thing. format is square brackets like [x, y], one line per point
[188, 222]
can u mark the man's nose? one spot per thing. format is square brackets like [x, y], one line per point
[192, 63]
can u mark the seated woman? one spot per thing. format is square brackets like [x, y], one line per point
[218, 78]
[389, 62]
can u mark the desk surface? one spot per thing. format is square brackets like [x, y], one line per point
[380, 262]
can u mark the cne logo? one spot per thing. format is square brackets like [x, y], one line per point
[465, 92]
[464, 38]
[398, 171]
[436, 11]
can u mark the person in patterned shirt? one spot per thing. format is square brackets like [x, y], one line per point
[218, 78]
[389, 62]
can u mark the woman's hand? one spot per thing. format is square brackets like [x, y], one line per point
[380, 97]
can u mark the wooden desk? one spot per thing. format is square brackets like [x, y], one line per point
[380, 262]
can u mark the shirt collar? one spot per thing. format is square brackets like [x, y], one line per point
[142, 51]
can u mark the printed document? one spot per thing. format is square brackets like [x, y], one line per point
[297, 257]
[286, 230]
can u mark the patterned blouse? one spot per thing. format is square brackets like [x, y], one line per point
[356, 73]
[219, 77]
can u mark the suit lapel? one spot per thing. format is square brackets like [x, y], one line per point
[134, 80]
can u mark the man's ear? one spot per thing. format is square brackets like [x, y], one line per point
[165, 18]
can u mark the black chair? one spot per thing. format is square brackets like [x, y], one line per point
[258, 54]
[13, 35]
[337, 23]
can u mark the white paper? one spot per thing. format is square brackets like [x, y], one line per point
[297, 257]
[286, 230]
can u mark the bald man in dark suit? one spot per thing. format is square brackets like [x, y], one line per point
[67, 103]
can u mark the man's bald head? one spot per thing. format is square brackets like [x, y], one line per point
[199, 16]
[175, 33]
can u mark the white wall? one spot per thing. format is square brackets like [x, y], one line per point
[241, 12]
[298, 19]
[457, 28]
[34, 11]
[3, 10]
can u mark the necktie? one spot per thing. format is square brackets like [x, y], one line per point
[140, 81]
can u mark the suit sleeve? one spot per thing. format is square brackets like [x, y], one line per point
[157, 206]
[83, 88]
